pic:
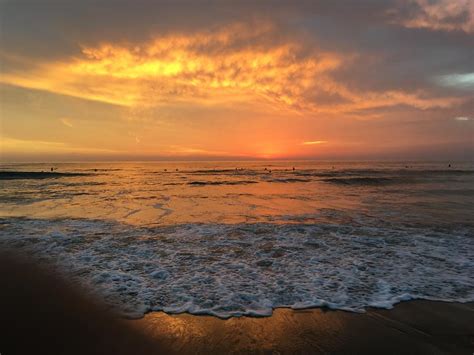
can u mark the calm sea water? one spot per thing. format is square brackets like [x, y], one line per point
[235, 238]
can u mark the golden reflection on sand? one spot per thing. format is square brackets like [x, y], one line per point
[421, 326]
[287, 329]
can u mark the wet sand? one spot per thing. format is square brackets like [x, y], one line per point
[415, 327]
[43, 313]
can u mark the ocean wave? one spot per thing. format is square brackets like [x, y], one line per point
[384, 172]
[289, 180]
[17, 175]
[205, 183]
[214, 171]
[102, 169]
[249, 269]
[362, 180]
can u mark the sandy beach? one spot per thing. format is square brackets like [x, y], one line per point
[46, 314]
[414, 327]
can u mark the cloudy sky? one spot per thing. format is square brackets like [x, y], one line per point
[365, 79]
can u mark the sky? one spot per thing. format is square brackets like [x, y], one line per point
[236, 80]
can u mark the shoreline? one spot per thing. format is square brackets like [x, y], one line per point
[44, 307]
[324, 308]
[415, 326]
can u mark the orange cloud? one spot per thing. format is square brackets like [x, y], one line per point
[313, 142]
[66, 121]
[239, 63]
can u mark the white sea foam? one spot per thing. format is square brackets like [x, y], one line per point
[249, 269]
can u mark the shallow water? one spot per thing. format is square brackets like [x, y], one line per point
[234, 238]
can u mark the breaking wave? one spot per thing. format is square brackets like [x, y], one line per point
[249, 269]
[237, 182]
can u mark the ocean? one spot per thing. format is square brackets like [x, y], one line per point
[242, 238]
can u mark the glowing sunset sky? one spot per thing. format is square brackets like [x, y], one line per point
[366, 79]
